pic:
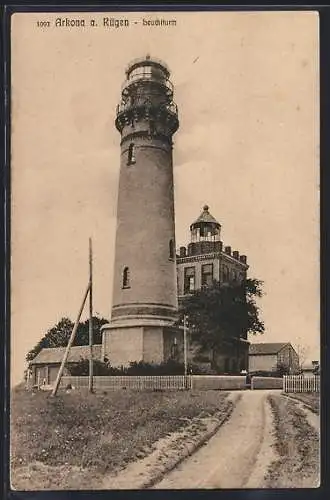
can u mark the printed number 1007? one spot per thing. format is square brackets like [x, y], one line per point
[43, 24]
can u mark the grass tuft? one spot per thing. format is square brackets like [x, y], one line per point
[100, 432]
[297, 445]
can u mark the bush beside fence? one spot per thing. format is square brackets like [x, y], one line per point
[299, 383]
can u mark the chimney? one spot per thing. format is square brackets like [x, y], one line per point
[218, 246]
[183, 252]
[236, 254]
[228, 250]
[243, 259]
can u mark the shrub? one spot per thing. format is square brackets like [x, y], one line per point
[99, 368]
[169, 367]
[262, 373]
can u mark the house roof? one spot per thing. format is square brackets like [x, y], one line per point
[267, 348]
[76, 353]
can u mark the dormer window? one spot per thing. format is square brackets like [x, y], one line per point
[126, 281]
[131, 154]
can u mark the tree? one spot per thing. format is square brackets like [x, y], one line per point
[282, 369]
[82, 337]
[170, 367]
[220, 313]
[303, 352]
[82, 368]
[58, 335]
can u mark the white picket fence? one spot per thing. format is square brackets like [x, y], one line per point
[299, 383]
[289, 383]
[162, 382]
[158, 382]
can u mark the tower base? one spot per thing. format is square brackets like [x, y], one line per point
[150, 343]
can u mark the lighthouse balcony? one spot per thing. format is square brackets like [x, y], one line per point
[127, 107]
[139, 78]
[128, 113]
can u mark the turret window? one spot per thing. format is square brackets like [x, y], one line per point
[126, 278]
[131, 154]
[189, 280]
[207, 274]
[171, 249]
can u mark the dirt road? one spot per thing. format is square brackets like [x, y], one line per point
[237, 456]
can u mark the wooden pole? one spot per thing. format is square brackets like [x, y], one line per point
[73, 334]
[185, 347]
[90, 381]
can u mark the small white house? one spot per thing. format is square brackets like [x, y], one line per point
[45, 366]
[271, 357]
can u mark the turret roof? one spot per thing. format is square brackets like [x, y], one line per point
[205, 217]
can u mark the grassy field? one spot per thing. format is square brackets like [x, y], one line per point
[312, 399]
[55, 440]
[298, 447]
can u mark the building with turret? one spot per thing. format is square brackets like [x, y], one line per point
[205, 259]
[202, 262]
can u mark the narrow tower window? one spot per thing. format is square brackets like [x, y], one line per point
[171, 249]
[126, 283]
[131, 154]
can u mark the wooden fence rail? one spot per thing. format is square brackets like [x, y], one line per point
[299, 383]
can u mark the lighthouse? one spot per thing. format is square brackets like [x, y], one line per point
[144, 303]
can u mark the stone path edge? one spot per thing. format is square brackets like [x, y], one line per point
[197, 443]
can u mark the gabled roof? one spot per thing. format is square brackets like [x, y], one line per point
[267, 348]
[205, 217]
[55, 354]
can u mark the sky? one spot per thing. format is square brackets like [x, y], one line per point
[247, 88]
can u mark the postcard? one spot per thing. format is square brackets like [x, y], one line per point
[165, 246]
